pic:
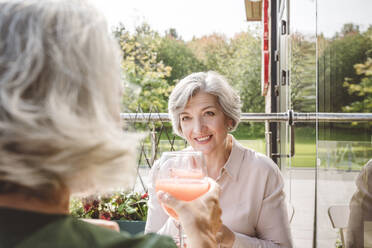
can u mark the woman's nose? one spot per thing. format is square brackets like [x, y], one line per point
[198, 126]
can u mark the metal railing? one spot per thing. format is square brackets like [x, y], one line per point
[148, 157]
[289, 116]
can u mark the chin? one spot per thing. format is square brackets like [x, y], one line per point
[204, 150]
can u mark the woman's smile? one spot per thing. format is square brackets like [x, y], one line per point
[203, 139]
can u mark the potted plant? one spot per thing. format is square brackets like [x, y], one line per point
[128, 209]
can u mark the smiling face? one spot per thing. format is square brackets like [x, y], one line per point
[204, 124]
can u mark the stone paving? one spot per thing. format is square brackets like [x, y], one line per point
[334, 188]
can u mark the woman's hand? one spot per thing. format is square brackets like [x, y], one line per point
[103, 223]
[225, 237]
[200, 218]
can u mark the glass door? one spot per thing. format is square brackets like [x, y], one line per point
[344, 45]
[325, 66]
[298, 94]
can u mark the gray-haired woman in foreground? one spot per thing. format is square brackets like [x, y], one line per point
[60, 132]
[204, 108]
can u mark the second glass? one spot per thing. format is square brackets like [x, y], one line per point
[184, 176]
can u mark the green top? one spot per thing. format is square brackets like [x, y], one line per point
[25, 229]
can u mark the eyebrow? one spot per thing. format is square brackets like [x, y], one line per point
[185, 113]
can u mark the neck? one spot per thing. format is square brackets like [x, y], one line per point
[29, 203]
[216, 161]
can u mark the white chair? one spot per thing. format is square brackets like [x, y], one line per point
[339, 216]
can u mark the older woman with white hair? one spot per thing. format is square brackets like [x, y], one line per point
[60, 131]
[204, 108]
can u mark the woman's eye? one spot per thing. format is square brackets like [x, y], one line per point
[210, 113]
[185, 118]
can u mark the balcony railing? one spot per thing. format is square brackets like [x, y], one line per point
[262, 117]
[154, 145]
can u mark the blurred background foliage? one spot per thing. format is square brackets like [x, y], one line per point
[153, 63]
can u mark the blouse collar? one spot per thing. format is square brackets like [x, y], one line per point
[234, 162]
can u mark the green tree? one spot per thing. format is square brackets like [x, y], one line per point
[363, 88]
[172, 32]
[174, 53]
[303, 73]
[336, 65]
[144, 76]
[212, 50]
[243, 69]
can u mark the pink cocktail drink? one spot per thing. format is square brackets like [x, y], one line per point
[185, 189]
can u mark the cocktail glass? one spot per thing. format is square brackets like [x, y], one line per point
[184, 176]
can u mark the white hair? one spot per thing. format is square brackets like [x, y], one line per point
[60, 100]
[209, 82]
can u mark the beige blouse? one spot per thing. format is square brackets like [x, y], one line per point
[252, 202]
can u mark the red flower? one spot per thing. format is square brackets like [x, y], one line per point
[145, 195]
[87, 207]
[105, 216]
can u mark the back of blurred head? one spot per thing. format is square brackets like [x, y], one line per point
[59, 101]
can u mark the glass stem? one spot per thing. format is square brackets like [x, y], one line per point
[180, 235]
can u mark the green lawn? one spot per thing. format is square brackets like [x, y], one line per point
[305, 155]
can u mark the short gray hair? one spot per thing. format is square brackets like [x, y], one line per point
[209, 82]
[60, 100]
